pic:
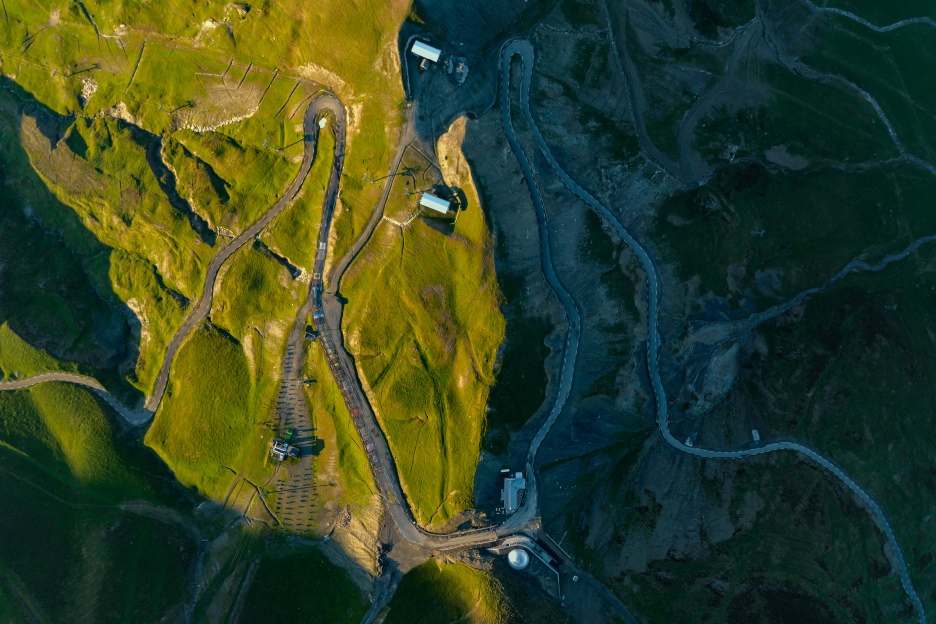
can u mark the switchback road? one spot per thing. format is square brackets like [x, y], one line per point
[525, 50]
[203, 306]
[528, 511]
[327, 320]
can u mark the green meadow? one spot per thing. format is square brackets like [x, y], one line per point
[223, 381]
[437, 592]
[191, 114]
[299, 587]
[294, 232]
[424, 325]
[68, 547]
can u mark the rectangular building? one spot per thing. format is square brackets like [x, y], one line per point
[426, 51]
[434, 203]
[512, 494]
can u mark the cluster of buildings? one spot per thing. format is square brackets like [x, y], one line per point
[459, 66]
[429, 54]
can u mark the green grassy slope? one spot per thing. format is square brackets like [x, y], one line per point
[172, 55]
[205, 422]
[223, 381]
[52, 297]
[67, 547]
[131, 125]
[224, 98]
[294, 232]
[252, 178]
[20, 359]
[343, 472]
[430, 363]
[110, 240]
[425, 325]
[437, 592]
[220, 65]
[300, 587]
[62, 429]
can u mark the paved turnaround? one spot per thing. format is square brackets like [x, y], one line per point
[525, 50]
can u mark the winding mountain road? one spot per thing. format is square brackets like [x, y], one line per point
[525, 50]
[203, 306]
[327, 311]
[529, 509]
[134, 417]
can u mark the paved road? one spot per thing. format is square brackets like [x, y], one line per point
[341, 266]
[529, 510]
[525, 50]
[203, 306]
[881, 29]
[326, 310]
[384, 589]
[135, 418]
[375, 445]
[328, 321]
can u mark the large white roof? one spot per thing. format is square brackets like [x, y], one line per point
[426, 51]
[435, 203]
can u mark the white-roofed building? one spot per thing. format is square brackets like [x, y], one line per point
[512, 494]
[434, 203]
[426, 51]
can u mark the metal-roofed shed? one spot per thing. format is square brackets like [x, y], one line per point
[512, 494]
[434, 203]
[426, 51]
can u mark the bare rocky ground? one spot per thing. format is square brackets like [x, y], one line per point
[620, 91]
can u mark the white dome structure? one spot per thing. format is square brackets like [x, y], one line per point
[518, 558]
